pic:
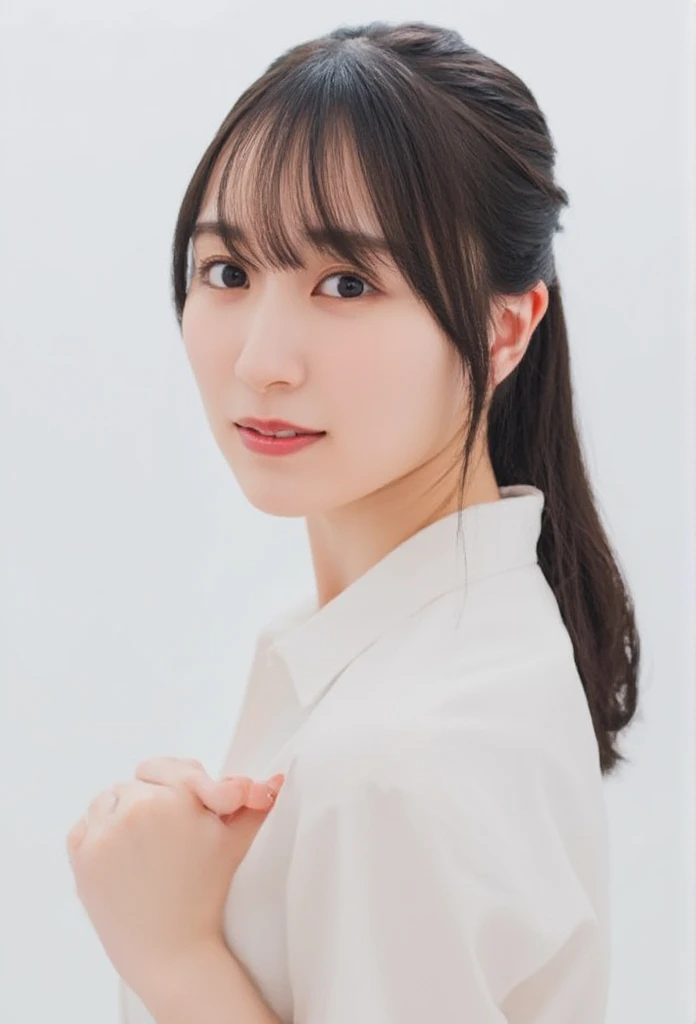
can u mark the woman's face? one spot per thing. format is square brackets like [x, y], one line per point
[327, 349]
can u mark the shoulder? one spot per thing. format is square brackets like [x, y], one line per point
[355, 759]
[464, 802]
[446, 748]
[510, 750]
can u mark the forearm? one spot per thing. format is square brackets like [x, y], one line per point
[212, 988]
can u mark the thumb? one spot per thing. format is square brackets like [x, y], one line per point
[274, 785]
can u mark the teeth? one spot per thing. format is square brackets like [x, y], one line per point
[280, 433]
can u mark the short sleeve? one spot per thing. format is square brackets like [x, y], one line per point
[405, 906]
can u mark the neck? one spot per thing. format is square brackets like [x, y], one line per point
[348, 541]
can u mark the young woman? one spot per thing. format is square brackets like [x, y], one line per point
[364, 256]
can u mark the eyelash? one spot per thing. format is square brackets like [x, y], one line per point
[212, 261]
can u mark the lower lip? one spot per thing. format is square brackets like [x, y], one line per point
[266, 445]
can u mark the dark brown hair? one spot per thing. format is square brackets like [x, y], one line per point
[458, 160]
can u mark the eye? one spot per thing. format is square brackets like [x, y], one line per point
[351, 286]
[230, 276]
[348, 290]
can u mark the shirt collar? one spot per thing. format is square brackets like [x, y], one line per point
[498, 536]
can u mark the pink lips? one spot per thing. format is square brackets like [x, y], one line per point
[274, 426]
[266, 445]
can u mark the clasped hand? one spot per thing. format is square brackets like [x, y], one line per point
[153, 868]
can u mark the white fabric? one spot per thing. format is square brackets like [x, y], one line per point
[439, 850]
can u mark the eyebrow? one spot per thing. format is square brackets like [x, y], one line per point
[318, 236]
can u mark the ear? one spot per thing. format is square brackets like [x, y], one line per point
[515, 319]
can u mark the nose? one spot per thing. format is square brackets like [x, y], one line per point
[271, 352]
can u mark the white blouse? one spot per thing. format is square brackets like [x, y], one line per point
[439, 850]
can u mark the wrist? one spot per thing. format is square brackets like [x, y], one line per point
[175, 990]
[207, 986]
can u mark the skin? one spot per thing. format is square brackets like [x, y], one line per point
[376, 373]
[153, 873]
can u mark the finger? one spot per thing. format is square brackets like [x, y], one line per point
[102, 805]
[261, 795]
[170, 771]
[221, 797]
[175, 765]
[100, 809]
[229, 795]
[258, 796]
[74, 838]
[249, 818]
[173, 771]
[224, 796]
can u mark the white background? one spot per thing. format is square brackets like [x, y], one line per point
[134, 574]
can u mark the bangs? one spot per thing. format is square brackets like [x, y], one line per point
[290, 185]
[330, 158]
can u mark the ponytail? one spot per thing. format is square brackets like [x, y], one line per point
[533, 439]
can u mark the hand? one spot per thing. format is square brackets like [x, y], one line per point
[225, 797]
[153, 872]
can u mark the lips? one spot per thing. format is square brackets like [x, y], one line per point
[273, 433]
[269, 427]
[269, 444]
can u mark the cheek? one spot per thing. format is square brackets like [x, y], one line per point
[395, 398]
[208, 352]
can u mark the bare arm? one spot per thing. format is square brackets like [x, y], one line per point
[212, 989]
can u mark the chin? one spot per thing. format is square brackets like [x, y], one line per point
[275, 500]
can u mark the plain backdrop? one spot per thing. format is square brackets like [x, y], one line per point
[135, 576]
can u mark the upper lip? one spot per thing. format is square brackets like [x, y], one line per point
[271, 426]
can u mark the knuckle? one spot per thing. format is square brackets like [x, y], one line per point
[97, 802]
[140, 809]
[167, 796]
[234, 787]
[195, 777]
[75, 835]
[235, 778]
[171, 767]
